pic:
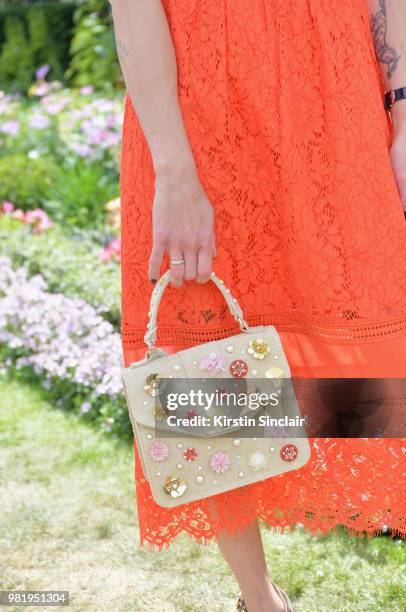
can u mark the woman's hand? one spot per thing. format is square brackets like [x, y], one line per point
[398, 148]
[183, 225]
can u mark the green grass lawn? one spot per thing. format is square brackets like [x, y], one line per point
[68, 521]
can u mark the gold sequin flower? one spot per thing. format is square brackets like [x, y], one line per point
[175, 486]
[259, 348]
[152, 383]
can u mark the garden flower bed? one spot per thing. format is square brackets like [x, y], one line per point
[65, 343]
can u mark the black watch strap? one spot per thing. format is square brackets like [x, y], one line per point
[392, 95]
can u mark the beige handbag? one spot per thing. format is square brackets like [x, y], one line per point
[186, 461]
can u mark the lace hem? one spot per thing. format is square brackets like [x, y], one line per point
[313, 498]
[279, 525]
[350, 333]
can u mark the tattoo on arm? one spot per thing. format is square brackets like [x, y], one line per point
[122, 50]
[384, 52]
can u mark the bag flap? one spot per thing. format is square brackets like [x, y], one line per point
[207, 362]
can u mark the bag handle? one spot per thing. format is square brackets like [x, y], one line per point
[150, 335]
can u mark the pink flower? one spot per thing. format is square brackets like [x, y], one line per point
[40, 89]
[42, 72]
[115, 245]
[104, 254]
[158, 450]
[220, 462]
[18, 214]
[86, 90]
[213, 363]
[11, 127]
[7, 207]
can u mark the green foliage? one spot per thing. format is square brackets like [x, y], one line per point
[94, 59]
[78, 198]
[33, 36]
[16, 63]
[69, 266]
[27, 182]
[42, 44]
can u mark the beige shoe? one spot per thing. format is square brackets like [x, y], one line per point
[241, 604]
[284, 598]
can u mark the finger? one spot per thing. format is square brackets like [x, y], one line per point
[190, 264]
[204, 264]
[155, 262]
[177, 270]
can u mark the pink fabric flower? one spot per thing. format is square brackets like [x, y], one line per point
[220, 462]
[213, 363]
[158, 450]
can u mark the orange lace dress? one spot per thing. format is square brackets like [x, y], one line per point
[282, 102]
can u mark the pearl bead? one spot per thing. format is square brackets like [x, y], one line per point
[176, 367]
[180, 445]
[272, 449]
[200, 468]
[179, 466]
[275, 357]
[240, 474]
[149, 436]
[229, 348]
[236, 442]
[199, 479]
[238, 456]
[209, 448]
[215, 482]
[158, 473]
[194, 362]
[243, 351]
[254, 372]
[145, 403]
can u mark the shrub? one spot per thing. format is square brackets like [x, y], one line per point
[27, 182]
[64, 342]
[94, 58]
[16, 63]
[32, 34]
[77, 199]
[70, 266]
[42, 45]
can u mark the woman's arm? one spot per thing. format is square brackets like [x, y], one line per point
[182, 215]
[388, 27]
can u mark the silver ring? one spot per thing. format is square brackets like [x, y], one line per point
[177, 262]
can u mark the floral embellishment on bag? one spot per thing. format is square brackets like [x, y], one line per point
[158, 450]
[190, 454]
[174, 486]
[152, 383]
[259, 348]
[274, 372]
[238, 368]
[289, 452]
[257, 460]
[220, 462]
[213, 363]
[158, 412]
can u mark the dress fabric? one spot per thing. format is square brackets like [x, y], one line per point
[282, 103]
